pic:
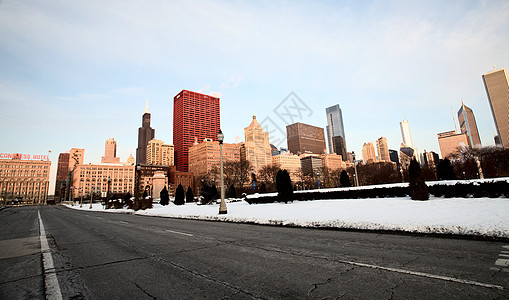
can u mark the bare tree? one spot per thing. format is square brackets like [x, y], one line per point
[237, 172]
[268, 175]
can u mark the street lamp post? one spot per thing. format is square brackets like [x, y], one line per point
[106, 202]
[355, 167]
[222, 206]
[137, 186]
[253, 180]
[91, 195]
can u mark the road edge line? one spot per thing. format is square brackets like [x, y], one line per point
[52, 288]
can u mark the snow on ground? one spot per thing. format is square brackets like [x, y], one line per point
[465, 216]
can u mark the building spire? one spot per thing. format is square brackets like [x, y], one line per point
[454, 120]
[146, 106]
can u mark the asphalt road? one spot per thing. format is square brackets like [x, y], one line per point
[117, 256]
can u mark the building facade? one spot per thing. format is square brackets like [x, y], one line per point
[430, 159]
[186, 179]
[394, 157]
[451, 141]
[195, 117]
[256, 148]
[368, 153]
[335, 131]
[110, 152]
[468, 126]
[290, 163]
[24, 180]
[311, 164]
[496, 84]
[406, 154]
[159, 153]
[145, 134]
[76, 156]
[93, 178]
[332, 161]
[205, 156]
[303, 138]
[153, 178]
[383, 150]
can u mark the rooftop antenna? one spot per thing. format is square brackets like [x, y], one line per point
[454, 120]
[146, 106]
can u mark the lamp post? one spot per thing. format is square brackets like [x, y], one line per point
[137, 186]
[355, 167]
[318, 179]
[91, 195]
[106, 202]
[222, 206]
[253, 180]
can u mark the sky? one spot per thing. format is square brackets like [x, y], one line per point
[75, 73]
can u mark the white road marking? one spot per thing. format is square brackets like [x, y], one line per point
[182, 233]
[427, 275]
[50, 277]
[502, 262]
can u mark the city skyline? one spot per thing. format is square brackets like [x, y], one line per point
[75, 88]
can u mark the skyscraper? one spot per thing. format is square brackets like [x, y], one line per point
[195, 117]
[145, 134]
[407, 138]
[256, 148]
[405, 133]
[469, 126]
[110, 152]
[368, 153]
[496, 84]
[383, 149]
[159, 153]
[303, 138]
[335, 131]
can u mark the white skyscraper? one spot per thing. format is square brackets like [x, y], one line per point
[407, 138]
[405, 133]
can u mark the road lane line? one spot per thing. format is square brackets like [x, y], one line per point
[421, 274]
[182, 233]
[50, 276]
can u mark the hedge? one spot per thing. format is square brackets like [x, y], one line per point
[491, 189]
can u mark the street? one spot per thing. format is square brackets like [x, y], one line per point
[119, 256]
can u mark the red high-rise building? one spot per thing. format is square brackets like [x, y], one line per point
[195, 117]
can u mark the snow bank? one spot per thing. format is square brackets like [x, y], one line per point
[487, 217]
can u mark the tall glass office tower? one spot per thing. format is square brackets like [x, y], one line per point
[469, 126]
[335, 131]
[497, 89]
